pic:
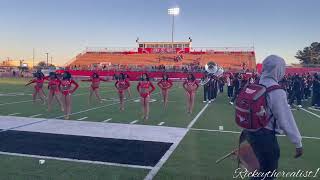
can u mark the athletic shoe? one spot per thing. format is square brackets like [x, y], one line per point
[231, 102]
[299, 106]
[204, 101]
[210, 102]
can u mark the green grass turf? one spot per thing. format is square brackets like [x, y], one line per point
[196, 155]
[22, 168]
[193, 159]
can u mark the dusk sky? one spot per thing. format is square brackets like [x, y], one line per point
[65, 27]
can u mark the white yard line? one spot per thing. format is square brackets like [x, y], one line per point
[238, 132]
[44, 120]
[160, 124]
[314, 109]
[76, 160]
[133, 122]
[316, 115]
[14, 94]
[166, 156]
[99, 107]
[18, 102]
[36, 115]
[197, 117]
[107, 120]
[13, 114]
[83, 118]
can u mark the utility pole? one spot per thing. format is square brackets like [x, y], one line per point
[47, 59]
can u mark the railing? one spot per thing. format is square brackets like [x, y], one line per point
[111, 49]
[193, 49]
[222, 49]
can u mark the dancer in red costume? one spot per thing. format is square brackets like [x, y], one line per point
[190, 86]
[38, 80]
[165, 84]
[144, 90]
[94, 88]
[54, 90]
[122, 86]
[66, 84]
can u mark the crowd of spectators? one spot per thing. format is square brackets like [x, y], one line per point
[183, 68]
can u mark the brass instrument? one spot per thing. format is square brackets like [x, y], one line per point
[212, 69]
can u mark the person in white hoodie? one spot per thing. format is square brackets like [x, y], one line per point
[264, 141]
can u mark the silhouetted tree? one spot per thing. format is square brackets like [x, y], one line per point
[310, 54]
[42, 64]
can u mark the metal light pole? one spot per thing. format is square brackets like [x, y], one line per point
[47, 59]
[173, 12]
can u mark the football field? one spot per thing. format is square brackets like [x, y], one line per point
[100, 142]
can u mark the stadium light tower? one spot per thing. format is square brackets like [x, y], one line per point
[173, 12]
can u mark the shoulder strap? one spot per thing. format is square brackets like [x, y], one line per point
[272, 88]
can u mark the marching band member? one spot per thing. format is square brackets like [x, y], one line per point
[66, 90]
[165, 84]
[144, 90]
[190, 86]
[122, 86]
[230, 85]
[205, 84]
[213, 88]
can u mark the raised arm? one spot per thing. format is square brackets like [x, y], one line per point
[30, 82]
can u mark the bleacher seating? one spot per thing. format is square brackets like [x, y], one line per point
[234, 60]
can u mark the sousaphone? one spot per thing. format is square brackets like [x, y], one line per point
[211, 67]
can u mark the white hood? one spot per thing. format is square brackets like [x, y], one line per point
[273, 67]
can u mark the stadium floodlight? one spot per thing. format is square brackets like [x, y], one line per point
[173, 12]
